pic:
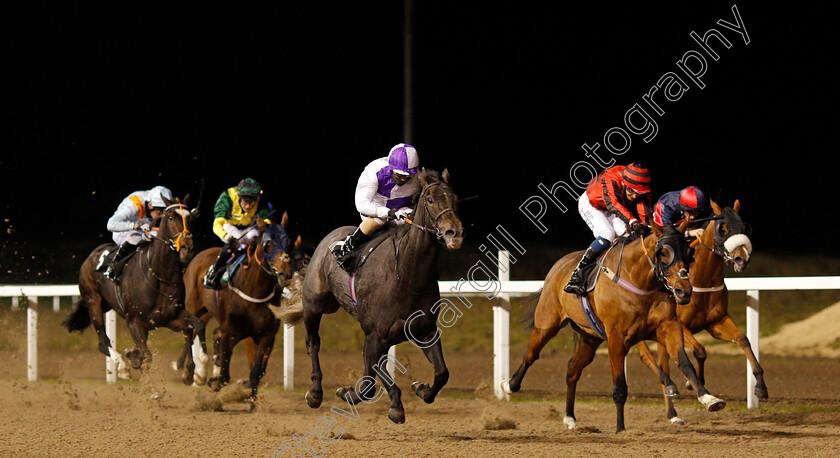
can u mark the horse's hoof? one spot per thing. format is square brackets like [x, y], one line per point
[677, 421]
[188, 378]
[712, 403]
[243, 382]
[342, 392]
[312, 401]
[760, 393]
[671, 391]
[506, 387]
[689, 386]
[174, 366]
[216, 384]
[422, 391]
[570, 422]
[397, 416]
[199, 380]
[123, 374]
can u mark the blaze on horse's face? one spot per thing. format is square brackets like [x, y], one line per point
[671, 258]
[440, 203]
[731, 236]
[175, 228]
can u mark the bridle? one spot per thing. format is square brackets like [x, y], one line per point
[434, 229]
[720, 248]
[664, 246]
[174, 243]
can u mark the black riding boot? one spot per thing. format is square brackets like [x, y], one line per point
[213, 277]
[116, 266]
[353, 241]
[576, 281]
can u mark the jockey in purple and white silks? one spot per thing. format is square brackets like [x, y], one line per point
[384, 193]
[131, 224]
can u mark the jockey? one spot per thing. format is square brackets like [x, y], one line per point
[384, 193]
[131, 224]
[616, 201]
[674, 206]
[236, 215]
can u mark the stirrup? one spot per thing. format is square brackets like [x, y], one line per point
[210, 281]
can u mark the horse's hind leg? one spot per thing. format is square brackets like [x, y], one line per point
[539, 337]
[434, 353]
[106, 347]
[583, 356]
[726, 330]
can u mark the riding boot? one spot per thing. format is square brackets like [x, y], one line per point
[116, 266]
[213, 277]
[576, 281]
[353, 241]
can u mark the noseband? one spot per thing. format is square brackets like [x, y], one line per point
[174, 242]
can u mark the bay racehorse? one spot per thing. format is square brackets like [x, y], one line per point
[725, 240]
[626, 306]
[150, 293]
[394, 295]
[241, 307]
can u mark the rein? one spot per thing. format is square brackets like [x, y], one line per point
[174, 243]
[434, 229]
[661, 276]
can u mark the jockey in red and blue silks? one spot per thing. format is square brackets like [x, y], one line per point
[674, 206]
[384, 193]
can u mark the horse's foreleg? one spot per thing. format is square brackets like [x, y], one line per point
[227, 341]
[259, 365]
[434, 354]
[250, 350]
[670, 334]
[726, 330]
[669, 388]
[584, 354]
[539, 337]
[312, 322]
[665, 366]
[617, 353]
[699, 352]
[139, 334]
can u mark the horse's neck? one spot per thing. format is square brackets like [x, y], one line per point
[254, 276]
[635, 266]
[707, 269]
[164, 262]
[418, 256]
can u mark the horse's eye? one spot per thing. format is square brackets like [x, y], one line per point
[666, 254]
[723, 229]
[429, 200]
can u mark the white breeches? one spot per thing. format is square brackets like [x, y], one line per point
[602, 222]
[134, 237]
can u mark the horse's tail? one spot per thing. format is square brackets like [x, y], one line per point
[79, 318]
[528, 314]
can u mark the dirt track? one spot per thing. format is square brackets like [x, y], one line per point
[73, 412]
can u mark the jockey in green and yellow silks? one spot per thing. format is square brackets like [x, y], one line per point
[236, 215]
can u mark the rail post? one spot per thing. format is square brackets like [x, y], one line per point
[752, 335]
[501, 331]
[111, 332]
[32, 339]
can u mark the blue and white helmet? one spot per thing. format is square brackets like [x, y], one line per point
[403, 159]
[157, 194]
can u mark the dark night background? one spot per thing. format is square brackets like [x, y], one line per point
[99, 101]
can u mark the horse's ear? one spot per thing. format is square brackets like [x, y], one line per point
[683, 226]
[445, 175]
[186, 200]
[284, 220]
[657, 229]
[737, 206]
[715, 207]
[297, 243]
[167, 201]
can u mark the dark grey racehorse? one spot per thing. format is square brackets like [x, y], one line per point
[397, 283]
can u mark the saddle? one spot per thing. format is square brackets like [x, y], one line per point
[106, 258]
[233, 265]
[351, 261]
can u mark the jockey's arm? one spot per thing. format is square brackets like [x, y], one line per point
[124, 218]
[365, 198]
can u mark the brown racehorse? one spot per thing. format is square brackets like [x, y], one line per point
[725, 240]
[150, 292]
[241, 308]
[627, 308]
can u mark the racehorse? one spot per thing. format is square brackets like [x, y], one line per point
[626, 306]
[150, 293]
[393, 295]
[725, 240]
[241, 308]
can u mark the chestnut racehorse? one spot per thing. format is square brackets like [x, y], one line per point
[241, 308]
[627, 306]
[725, 240]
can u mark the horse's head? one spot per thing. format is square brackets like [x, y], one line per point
[671, 259]
[731, 236]
[273, 252]
[176, 228]
[436, 208]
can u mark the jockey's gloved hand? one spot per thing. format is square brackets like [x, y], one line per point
[637, 229]
[403, 213]
[392, 214]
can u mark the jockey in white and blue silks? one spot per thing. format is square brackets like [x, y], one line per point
[131, 224]
[384, 193]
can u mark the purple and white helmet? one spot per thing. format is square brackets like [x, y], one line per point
[403, 159]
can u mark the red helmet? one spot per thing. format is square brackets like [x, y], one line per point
[637, 178]
[693, 199]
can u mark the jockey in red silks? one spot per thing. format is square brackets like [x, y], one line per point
[616, 202]
[384, 193]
